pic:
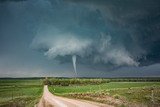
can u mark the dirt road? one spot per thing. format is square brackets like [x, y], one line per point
[50, 100]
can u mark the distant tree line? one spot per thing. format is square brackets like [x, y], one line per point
[134, 80]
[95, 81]
[67, 82]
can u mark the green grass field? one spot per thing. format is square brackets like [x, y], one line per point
[20, 92]
[27, 92]
[130, 92]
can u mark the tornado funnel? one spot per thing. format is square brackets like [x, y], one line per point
[74, 64]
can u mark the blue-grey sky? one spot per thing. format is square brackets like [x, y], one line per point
[110, 38]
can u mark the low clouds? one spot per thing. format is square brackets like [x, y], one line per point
[68, 46]
[55, 44]
[111, 53]
[62, 44]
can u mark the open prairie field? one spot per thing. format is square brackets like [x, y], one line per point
[113, 93]
[20, 92]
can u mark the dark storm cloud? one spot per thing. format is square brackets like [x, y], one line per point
[1, 1]
[122, 33]
[136, 24]
[107, 33]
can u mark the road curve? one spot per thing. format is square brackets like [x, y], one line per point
[50, 100]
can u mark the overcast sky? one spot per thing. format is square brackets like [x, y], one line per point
[110, 38]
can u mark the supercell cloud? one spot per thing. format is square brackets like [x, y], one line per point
[99, 32]
[104, 35]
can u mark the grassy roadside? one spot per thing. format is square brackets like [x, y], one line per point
[114, 93]
[19, 92]
[60, 90]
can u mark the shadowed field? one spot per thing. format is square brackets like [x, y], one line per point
[20, 92]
